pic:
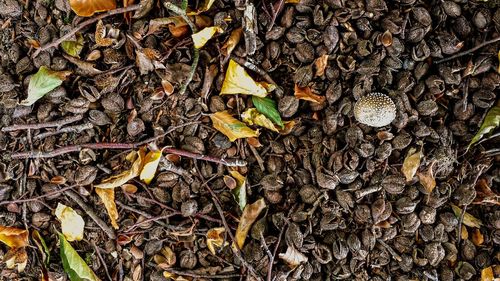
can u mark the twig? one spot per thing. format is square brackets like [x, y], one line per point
[275, 13]
[250, 65]
[196, 54]
[230, 162]
[76, 198]
[205, 276]
[82, 25]
[57, 123]
[461, 54]
[38, 197]
[102, 260]
[142, 213]
[70, 129]
[270, 268]
[460, 221]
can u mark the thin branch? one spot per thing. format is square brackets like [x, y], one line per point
[464, 53]
[57, 123]
[82, 25]
[70, 129]
[230, 162]
[270, 268]
[204, 276]
[38, 197]
[253, 67]
[102, 260]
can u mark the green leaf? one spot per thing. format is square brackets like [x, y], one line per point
[73, 264]
[269, 108]
[42, 246]
[240, 192]
[42, 82]
[490, 122]
[469, 220]
[73, 48]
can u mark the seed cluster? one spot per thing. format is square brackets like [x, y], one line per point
[375, 110]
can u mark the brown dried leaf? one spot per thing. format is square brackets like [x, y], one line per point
[321, 63]
[231, 42]
[250, 214]
[427, 179]
[84, 68]
[216, 239]
[100, 35]
[13, 237]
[305, 93]
[166, 258]
[411, 163]
[477, 237]
[293, 257]
[86, 8]
[16, 257]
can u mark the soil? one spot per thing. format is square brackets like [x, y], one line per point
[339, 205]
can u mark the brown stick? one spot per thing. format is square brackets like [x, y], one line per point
[227, 162]
[204, 276]
[57, 123]
[461, 54]
[70, 129]
[82, 25]
[270, 268]
[250, 65]
[38, 197]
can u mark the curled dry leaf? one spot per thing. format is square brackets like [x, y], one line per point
[13, 237]
[240, 191]
[386, 38]
[321, 63]
[293, 257]
[469, 220]
[250, 214]
[200, 38]
[166, 258]
[487, 274]
[490, 122]
[84, 68]
[151, 162]
[216, 239]
[231, 127]
[232, 42]
[305, 93]
[136, 157]
[427, 179]
[42, 82]
[254, 142]
[288, 127]
[477, 237]
[411, 163]
[107, 196]
[86, 8]
[100, 35]
[237, 81]
[72, 224]
[16, 257]
[73, 47]
[252, 117]
[73, 264]
[205, 6]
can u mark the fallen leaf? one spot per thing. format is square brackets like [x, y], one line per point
[107, 196]
[237, 81]
[42, 246]
[240, 191]
[269, 108]
[427, 179]
[231, 127]
[143, 62]
[73, 47]
[293, 1]
[100, 35]
[86, 8]
[252, 117]
[42, 82]
[151, 162]
[411, 163]
[175, 277]
[293, 257]
[477, 237]
[200, 38]
[469, 220]
[484, 194]
[250, 214]
[487, 274]
[13, 237]
[16, 257]
[72, 224]
[176, 24]
[216, 239]
[321, 63]
[207, 4]
[288, 127]
[128, 15]
[464, 233]
[73, 264]
[490, 122]
[305, 93]
[84, 68]
[166, 258]
[117, 180]
[232, 42]
[254, 142]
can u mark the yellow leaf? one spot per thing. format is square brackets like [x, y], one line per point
[321, 63]
[72, 224]
[293, 1]
[16, 257]
[122, 178]
[287, 129]
[215, 238]
[411, 164]
[200, 38]
[231, 127]
[251, 116]
[240, 191]
[100, 35]
[175, 277]
[464, 233]
[150, 165]
[107, 196]
[305, 93]
[13, 237]
[487, 274]
[166, 259]
[427, 179]
[477, 237]
[231, 42]
[469, 220]
[207, 4]
[248, 217]
[86, 8]
[293, 257]
[237, 81]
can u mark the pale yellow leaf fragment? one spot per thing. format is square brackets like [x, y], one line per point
[200, 38]
[250, 214]
[13, 237]
[293, 257]
[72, 224]
[238, 81]
[469, 220]
[151, 162]
[321, 63]
[215, 239]
[487, 274]
[231, 127]
[118, 180]
[232, 42]
[107, 196]
[411, 163]
[251, 116]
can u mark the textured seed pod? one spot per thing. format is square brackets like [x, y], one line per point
[375, 110]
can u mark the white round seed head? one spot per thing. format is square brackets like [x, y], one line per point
[375, 110]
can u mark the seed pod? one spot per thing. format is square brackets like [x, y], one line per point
[375, 110]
